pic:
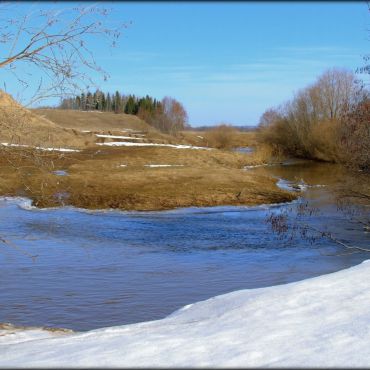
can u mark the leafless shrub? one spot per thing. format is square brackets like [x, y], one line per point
[309, 125]
[221, 137]
[355, 137]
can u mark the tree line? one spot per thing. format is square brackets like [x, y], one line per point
[328, 120]
[168, 115]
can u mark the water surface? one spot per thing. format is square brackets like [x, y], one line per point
[104, 268]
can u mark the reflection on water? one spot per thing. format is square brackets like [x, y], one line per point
[60, 173]
[245, 149]
[98, 269]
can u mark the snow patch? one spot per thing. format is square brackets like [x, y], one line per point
[57, 149]
[41, 148]
[15, 145]
[128, 143]
[163, 165]
[255, 166]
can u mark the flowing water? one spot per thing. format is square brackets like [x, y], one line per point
[104, 268]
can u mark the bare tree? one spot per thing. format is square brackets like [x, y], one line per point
[308, 125]
[365, 69]
[57, 43]
[175, 114]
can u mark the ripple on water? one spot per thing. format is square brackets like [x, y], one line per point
[104, 268]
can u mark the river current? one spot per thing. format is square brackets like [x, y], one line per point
[102, 268]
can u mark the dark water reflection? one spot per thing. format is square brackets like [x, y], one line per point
[97, 269]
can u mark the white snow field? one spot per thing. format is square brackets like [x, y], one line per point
[318, 322]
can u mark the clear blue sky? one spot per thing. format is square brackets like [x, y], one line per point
[228, 62]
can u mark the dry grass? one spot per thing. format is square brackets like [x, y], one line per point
[93, 121]
[107, 122]
[106, 177]
[96, 180]
[20, 126]
[205, 138]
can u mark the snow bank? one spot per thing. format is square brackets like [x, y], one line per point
[127, 143]
[319, 322]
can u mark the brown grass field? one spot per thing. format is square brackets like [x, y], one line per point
[96, 179]
[100, 177]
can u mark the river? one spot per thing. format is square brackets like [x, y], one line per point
[102, 268]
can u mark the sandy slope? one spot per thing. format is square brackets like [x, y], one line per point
[21, 126]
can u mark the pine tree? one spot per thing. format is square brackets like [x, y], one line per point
[130, 105]
[109, 103]
[117, 102]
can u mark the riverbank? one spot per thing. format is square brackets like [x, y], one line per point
[137, 178]
[318, 322]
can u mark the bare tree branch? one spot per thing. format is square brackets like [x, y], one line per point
[57, 43]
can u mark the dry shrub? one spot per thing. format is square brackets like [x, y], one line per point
[323, 141]
[355, 137]
[221, 137]
[327, 120]
[264, 154]
[281, 139]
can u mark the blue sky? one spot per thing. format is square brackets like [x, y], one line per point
[229, 61]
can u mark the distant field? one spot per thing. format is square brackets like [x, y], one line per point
[124, 177]
[91, 120]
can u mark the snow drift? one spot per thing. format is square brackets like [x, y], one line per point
[319, 322]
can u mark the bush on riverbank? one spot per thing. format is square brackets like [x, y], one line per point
[221, 136]
[328, 120]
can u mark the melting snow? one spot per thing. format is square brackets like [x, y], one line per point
[127, 143]
[164, 165]
[57, 149]
[15, 145]
[42, 148]
[255, 166]
[318, 322]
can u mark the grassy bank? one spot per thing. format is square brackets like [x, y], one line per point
[137, 178]
[124, 177]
